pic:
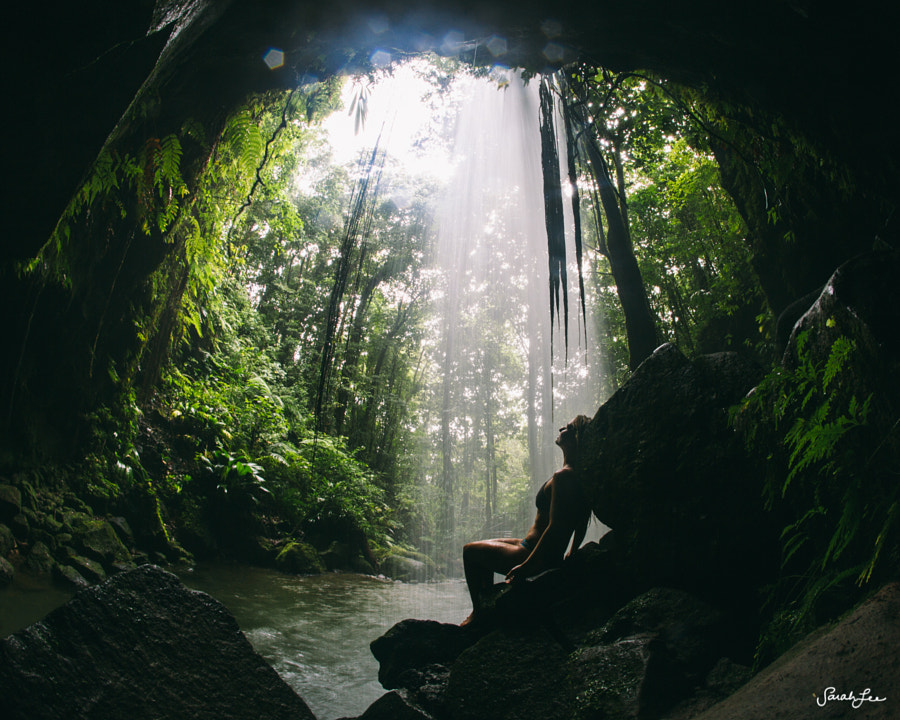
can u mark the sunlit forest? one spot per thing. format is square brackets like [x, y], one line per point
[362, 340]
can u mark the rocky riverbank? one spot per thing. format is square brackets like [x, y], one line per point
[664, 655]
[142, 646]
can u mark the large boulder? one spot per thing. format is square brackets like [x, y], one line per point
[413, 645]
[629, 678]
[393, 706]
[664, 468]
[509, 675]
[861, 300]
[10, 502]
[140, 645]
[408, 566]
[656, 651]
[99, 540]
[661, 651]
[299, 558]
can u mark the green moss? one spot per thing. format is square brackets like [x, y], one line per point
[299, 558]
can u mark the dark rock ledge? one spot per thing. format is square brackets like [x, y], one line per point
[665, 655]
[140, 645]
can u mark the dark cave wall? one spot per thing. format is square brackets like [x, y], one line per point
[74, 70]
[101, 77]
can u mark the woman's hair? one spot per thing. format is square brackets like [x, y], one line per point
[580, 423]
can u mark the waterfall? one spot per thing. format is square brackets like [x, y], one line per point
[495, 374]
[492, 257]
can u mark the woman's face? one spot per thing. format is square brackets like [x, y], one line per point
[566, 435]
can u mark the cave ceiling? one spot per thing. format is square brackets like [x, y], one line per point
[74, 71]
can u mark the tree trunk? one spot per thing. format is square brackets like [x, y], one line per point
[640, 324]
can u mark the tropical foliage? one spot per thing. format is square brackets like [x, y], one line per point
[298, 365]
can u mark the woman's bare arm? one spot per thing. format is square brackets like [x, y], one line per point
[580, 532]
[564, 516]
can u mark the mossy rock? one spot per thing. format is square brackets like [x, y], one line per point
[510, 675]
[40, 561]
[10, 502]
[7, 541]
[69, 578]
[99, 541]
[50, 524]
[299, 558]
[74, 521]
[194, 529]
[7, 572]
[408, 566]
[20, 527]
[91, 570]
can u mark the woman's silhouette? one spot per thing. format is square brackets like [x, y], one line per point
[562, 512]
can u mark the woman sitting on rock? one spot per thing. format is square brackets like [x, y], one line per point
[562, 511]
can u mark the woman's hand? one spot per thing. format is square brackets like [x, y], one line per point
[517, 574]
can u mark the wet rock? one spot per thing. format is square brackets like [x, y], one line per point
[416, 644]
[69, 578]
[651, 654]
[40, 535]
[50, 524]
[7, 572]
[40, 560]
[10, 502]
[90, 570]
[393, 706]
[122, 566]
[336, 556]
[508, 675]
[20, 527]
[140, 646]
[694, 633]
[429, 687]
[7, 541]
[99, 541]
[343, 556]
[405, 569]
[573, 656]
[123, 531]
[861, 300]
[299, 558]
[629, 678]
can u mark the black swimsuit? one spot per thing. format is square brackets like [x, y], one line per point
[543, 497]
[542, 503]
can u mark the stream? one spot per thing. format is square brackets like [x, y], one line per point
[314, 630]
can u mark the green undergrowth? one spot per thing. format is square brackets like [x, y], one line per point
[829, 436]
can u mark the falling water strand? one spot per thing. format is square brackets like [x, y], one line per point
[492, 240]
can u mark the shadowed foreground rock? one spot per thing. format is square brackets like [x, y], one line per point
[861, 654]
[140, 646]
[583, 651]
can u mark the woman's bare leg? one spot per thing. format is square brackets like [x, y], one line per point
[482, 559]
